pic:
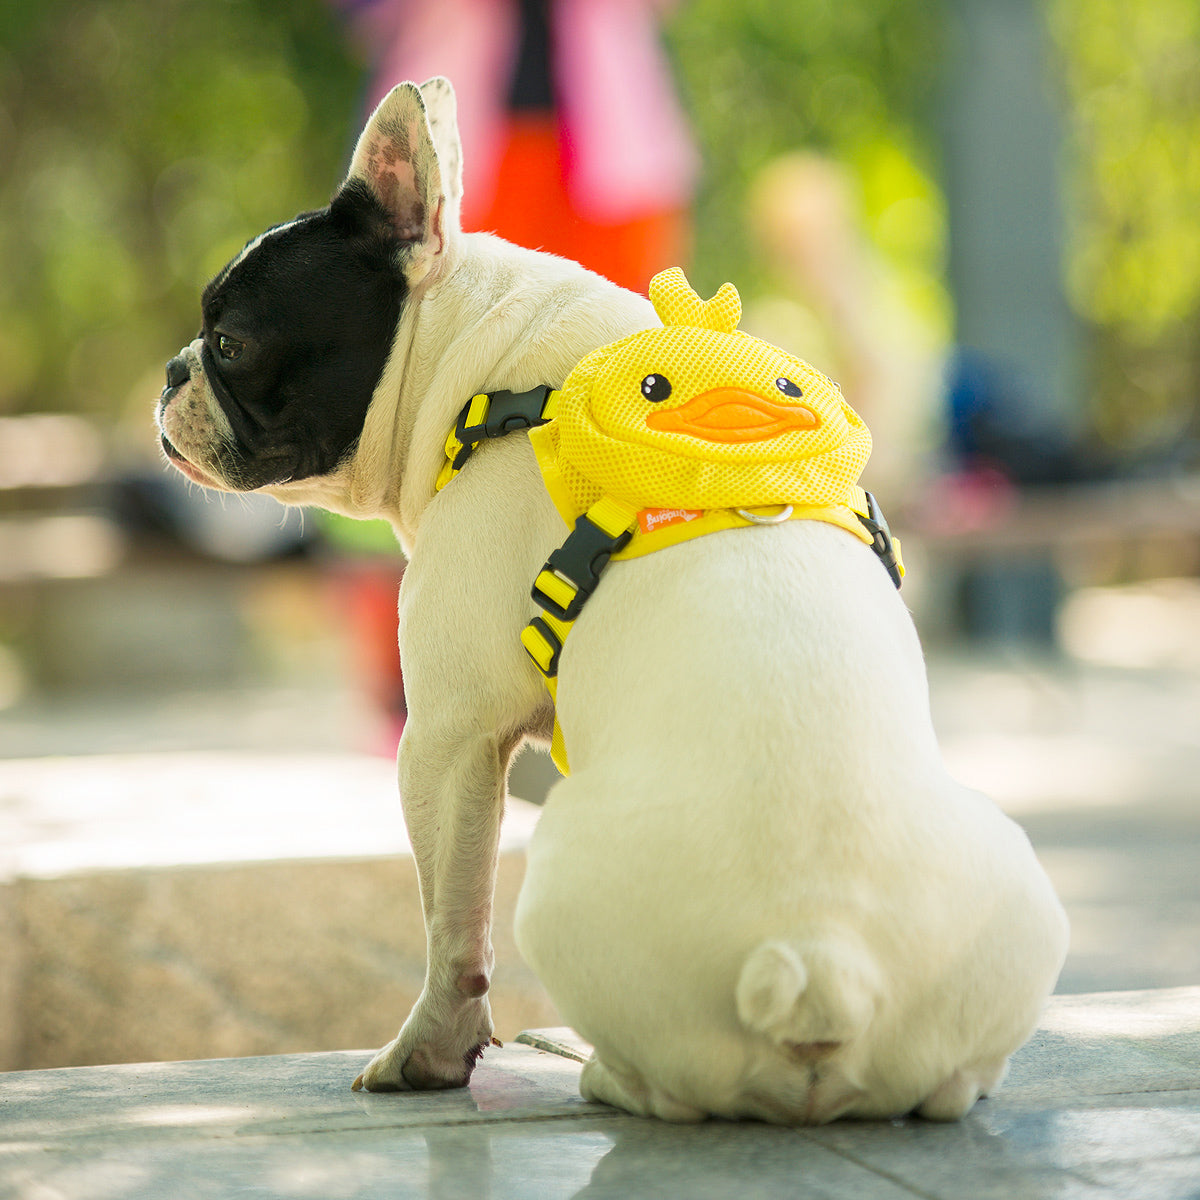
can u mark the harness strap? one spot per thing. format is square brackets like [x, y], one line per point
[572, 572]
[883, 542]
[492, 415]
[562, 587]
[571, 575]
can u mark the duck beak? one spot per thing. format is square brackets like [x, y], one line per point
[732, 415]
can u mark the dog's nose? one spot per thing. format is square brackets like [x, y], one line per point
[178, 372]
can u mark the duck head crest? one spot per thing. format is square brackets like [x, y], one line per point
[677, 304]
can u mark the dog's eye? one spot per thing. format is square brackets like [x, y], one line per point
[656, 388]
[230, 348]
[788, 388]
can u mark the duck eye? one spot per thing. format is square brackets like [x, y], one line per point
[788, 388]
[230, 348]
[656, 388]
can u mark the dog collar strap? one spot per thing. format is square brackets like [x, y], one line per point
[492, 415]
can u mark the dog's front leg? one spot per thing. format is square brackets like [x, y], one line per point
[452, 790]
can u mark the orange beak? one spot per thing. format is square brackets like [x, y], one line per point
[732, 415]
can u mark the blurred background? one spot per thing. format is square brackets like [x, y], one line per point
[978, 215]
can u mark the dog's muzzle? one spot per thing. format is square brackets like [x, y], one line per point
[178, 373]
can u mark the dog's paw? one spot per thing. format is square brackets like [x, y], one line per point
[442, 1058]
[395, 1069]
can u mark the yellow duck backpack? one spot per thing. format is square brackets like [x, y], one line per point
[671, 433]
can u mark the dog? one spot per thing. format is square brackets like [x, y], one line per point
[758, 894]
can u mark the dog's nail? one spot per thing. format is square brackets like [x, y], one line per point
[357, 1085]
[497, 1042]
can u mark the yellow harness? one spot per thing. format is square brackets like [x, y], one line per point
[669, 434]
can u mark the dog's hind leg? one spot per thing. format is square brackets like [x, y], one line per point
[628, 1091]
[453, 801]
[955, 1096]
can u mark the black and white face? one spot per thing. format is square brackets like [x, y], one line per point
[299, 327]
[297, 330]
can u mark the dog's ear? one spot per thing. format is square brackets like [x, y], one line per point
[441, 112]
[397, 159]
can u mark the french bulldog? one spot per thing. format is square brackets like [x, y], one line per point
[758, 894]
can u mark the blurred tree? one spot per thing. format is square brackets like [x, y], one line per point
[1133, 87]
[140, 146]
[816, 123]
[854, 81]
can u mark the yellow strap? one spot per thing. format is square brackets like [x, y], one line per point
[477, 411]
[542, 652]
[558, 748]
[858, 502]
[716, 519]
[447, 472]
[552, 584]
[539, 649]
[613, 516]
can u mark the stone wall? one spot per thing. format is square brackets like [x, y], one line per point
[210, 961]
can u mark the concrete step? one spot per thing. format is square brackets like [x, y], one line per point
[1104, 1103]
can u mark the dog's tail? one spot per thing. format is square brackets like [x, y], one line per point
[811, 995]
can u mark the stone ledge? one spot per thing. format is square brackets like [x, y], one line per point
[199, 905]
[1104, 1104]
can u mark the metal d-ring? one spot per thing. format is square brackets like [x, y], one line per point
[758, 519]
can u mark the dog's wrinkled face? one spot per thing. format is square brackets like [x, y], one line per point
[297, 330]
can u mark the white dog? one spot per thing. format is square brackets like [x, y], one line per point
[758, 893]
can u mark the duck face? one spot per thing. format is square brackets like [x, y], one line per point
[697, 418]
[728, 414]
[728, 397]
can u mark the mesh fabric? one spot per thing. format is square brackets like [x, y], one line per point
[753, 425]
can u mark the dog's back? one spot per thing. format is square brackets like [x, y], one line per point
[758, 893]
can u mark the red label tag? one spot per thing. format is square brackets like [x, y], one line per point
[650, 519]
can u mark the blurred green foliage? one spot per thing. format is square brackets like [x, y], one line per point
[1132, 74]
[143, 143]
[855, 81]
[140, 145]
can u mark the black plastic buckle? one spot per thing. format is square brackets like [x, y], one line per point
[580, 559]
[881, 538]
[506, 413]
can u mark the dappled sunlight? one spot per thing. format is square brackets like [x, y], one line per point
[1145, 1016]
[1034, 772]
[60, 816]
[1145, 625]
[191, 1116]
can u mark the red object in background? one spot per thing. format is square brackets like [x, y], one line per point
[365, 593]
[573, 142]
[533, 164]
